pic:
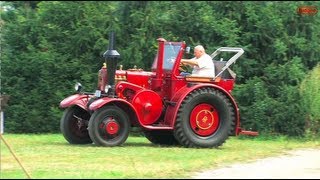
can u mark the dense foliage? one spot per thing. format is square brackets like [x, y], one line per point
[310, 90]
[46, 46]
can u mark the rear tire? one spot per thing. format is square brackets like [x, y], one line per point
[74, 124]
[204, 119]
[109, 126]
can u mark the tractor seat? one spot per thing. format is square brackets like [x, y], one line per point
[227, 74]
[199, 78]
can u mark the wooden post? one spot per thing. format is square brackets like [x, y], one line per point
[3, 103]
[2, 123]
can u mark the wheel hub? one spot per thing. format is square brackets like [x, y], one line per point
[111, 127]
[80, 122]
[204, 119]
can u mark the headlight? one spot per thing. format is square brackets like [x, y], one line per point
[106, 88]
[78, 87]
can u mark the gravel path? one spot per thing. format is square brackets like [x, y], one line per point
[296, 164]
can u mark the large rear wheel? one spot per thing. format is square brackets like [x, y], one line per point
[204, 119]
[73, 125]
[109, 126]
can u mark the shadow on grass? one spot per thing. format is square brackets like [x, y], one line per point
[135, 144]
[126, 144]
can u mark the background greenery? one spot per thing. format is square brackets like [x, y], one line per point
[46, 46]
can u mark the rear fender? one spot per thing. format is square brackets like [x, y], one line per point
[175, 103]
[77, 99]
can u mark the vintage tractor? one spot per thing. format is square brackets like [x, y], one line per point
[169, 108]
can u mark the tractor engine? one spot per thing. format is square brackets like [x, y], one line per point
[133, 85]
[108, 75]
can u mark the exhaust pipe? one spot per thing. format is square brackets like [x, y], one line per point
[111, 57]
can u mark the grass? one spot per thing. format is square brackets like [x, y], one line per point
[50, 156]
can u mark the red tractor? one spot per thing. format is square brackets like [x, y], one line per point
[169, 108]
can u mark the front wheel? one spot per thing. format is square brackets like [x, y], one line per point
[109, 126]
[73, 125]
[204, 119]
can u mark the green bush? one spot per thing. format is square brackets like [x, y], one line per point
[310, 93]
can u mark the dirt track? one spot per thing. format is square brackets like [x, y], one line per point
[297, 164]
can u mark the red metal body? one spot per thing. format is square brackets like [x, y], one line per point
[170, 108]
[148, 95]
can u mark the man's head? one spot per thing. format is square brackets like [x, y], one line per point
[199, 51]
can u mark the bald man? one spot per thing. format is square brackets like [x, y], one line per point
[202, 63]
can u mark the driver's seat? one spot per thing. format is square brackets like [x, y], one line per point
[227, 74]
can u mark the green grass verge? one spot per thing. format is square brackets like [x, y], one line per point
[50, 156]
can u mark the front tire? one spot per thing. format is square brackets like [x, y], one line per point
[204, 119]
[109, 126]
[73, 125]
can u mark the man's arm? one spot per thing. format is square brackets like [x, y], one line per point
[189, 62]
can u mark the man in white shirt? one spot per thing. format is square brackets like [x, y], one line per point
[202, 63]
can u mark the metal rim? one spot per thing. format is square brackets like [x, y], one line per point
[109, 128]
[112, 127]
[204, 119]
